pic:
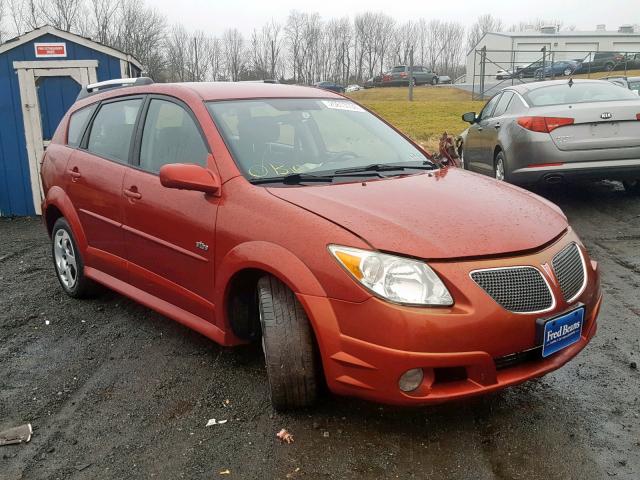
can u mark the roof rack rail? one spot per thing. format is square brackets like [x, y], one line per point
[94, 88]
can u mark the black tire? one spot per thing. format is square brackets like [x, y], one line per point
[632, 186]
[567, 72]
[434, 81]
[288, 344]
[414, 82]
[520, 76]
[463, 165]
[608, 67]
[500, 158]
[81, 287]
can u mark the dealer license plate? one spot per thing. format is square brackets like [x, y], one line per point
[561, 332]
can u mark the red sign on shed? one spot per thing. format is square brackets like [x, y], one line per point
[49, 50]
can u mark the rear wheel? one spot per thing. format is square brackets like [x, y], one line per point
[288, 345]
[413, 82]
[499, 167]
[434, 81]
[567, 72]
[632, 186]
[68, 262]
[608, 67]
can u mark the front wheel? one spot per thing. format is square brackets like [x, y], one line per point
[632, 186]
[499, 167]
[434, 81]
[288, 345]
[567, 72]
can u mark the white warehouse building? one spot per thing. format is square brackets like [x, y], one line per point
[522, 48]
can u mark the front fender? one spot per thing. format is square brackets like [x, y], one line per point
[269, 257]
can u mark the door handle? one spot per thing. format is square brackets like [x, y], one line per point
[133, 193]
[497, 126]
[75, 174]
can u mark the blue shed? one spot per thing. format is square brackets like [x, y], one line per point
[41, 73]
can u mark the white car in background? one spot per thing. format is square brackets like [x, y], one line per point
[352, 88]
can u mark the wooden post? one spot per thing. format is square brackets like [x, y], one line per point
[411, 75]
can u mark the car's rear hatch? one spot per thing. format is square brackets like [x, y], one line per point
[606, 125]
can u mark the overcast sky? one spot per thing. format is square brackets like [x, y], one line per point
[215, 16]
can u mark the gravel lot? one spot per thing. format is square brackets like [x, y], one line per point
[116, 391]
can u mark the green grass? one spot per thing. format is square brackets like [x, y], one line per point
[433, 110]
[617, 73]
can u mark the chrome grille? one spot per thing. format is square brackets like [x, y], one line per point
[569, 269]
[517, 289]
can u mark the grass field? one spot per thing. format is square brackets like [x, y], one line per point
[617, 73]
[433, 110]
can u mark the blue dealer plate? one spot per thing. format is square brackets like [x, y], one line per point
[562, 331]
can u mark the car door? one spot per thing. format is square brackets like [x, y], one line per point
[96, 171]
[169, 233]
[494, 124]
[477, 144]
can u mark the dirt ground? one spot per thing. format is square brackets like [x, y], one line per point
[116, 391]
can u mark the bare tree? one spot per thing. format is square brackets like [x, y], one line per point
[25, 15]
[62, 14]
[3, 13]
[484, 24]
[216, 59]
[103, 20]
[232, 43]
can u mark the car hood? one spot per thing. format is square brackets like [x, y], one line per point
[446, 214]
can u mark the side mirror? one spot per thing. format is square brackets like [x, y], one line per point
[469, 117]
[187, 176]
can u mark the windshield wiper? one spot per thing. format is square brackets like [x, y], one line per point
[298, 178]
[386, 167]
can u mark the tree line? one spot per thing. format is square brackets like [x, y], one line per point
[302, 48]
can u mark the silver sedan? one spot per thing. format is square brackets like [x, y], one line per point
[557, 131]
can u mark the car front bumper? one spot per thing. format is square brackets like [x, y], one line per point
[366, 347]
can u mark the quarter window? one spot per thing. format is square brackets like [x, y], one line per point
[170, 135]
[77, 123]
[112, 129]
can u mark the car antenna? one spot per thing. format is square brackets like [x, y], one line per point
[570, 82]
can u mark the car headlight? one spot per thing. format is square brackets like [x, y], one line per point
[397, 279]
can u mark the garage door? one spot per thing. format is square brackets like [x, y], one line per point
[530, 52]
[626, 46]
[576, 51]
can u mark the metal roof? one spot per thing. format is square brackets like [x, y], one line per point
[71, 37]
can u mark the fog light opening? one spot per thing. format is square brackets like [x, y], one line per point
[411, 379]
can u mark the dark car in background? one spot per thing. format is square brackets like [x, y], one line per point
[556, 69]
[527, 71]
[334, 87]
[604, 62]
[373, 82]
[399, 75]
[632, 83]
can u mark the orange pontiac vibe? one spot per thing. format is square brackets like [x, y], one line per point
[294, 217]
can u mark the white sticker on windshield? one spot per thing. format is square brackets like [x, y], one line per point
[343, 105]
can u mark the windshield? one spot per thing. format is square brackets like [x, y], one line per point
[561, 94]
[275, 138]
[634, 86]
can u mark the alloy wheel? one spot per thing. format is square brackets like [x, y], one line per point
[66, 263]
[500, 169]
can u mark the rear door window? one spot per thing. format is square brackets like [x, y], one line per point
[112, 129]
[170, 135]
